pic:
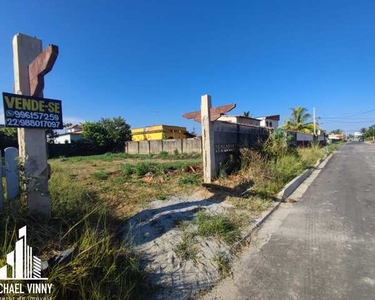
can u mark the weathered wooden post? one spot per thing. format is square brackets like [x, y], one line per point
[207, 140]
[30, 66]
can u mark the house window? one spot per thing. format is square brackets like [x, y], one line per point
[270, 124]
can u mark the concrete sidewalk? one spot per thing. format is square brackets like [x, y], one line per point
[321, 247]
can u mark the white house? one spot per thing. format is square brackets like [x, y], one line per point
[239, 120]
[269, 121]
[72, 134]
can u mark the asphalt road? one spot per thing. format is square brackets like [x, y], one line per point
[321, 247]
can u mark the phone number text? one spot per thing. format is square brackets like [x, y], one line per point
[33, 123]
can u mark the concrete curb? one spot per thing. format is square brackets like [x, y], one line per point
[280, 198]
[297, 181]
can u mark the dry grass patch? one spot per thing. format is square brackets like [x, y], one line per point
[127, 182]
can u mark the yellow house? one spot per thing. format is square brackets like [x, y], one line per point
[159, 132]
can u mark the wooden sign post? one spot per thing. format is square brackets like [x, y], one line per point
[31, 64]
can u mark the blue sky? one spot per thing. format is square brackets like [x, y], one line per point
[150, 61]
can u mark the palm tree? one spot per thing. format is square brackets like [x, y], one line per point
[246, 114]
[298, 121]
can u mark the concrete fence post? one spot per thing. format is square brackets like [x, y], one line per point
[11, 172]
[209, 166]
[32, 142]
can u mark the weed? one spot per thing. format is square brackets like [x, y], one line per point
[190, 179]
[126, 169]
[252, 204]
[142, 168]
[164, 154]
[187, 249]
[223, 263]
[100, 175]
[219, 226]
[309, 156]
[162, 197]
[101, 267]
[333, 146]
[285, 168]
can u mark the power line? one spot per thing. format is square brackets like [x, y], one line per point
[353, 115]
[334, 121]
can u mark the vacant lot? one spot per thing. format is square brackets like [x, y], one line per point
[128, 182]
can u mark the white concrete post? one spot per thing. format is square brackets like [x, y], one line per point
[11, 172]
[208, 150]
[31, 142]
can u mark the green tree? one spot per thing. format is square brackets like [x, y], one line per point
[336, 131]
[246, 114]
[8, 137]
[298, 121]
[370, 132]
[108, 133]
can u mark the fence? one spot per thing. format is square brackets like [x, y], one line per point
[10, 172]
[220, 139]
[229, 137]
[193, 145]
[305, 139]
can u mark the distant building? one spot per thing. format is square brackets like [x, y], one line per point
[336, 137]
[160, 132]
[269, 121]
[77, 128]
[239, 120]
[73, 133]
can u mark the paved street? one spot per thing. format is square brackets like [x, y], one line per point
[321, 247]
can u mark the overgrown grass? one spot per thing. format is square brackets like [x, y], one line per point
[333, 147]
[121, 156]
[276, 164]
[126, 169]
[309, 156]
[102, 267]
[219, 226]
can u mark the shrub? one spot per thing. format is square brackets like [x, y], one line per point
[279, 143]
[126, 169]
[142, 168]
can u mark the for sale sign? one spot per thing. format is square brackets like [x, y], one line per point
[32, 112]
